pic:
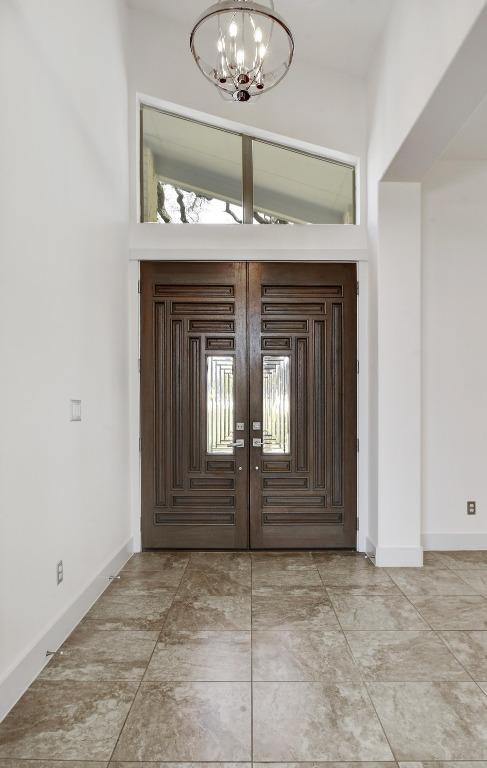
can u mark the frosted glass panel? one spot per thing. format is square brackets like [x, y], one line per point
[275, 399]
[219, 404]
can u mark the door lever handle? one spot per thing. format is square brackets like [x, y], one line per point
[239, 444]
[257, 442]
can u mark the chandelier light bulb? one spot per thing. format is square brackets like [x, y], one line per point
[243, 47]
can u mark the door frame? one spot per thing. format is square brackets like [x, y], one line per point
[135, 491]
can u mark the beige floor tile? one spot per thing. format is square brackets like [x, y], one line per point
[171, 565]
[141, 583]
[209, 612]
[186, 722]
[292, 608]
[465, 560]
[317, 764]
[445, 764]
[236, 563]
[315, 721]
[329, 564]
[404, 656]
[429, 581]
[293, 570]
[144, 612]
[433, 721]
[470, 648]
[361, 581]
[201, 656]
[477, 579]
[467, 612]
[375, 611]
[51, 764]
[435, 560]
[66, 721]
[302, 656]
[163, 764]
[97, 656]
[200, 581]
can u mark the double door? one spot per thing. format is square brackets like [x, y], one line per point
[248, 405]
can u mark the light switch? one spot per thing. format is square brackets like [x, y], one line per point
[75, 410]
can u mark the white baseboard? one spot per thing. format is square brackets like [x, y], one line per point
[370, 548]
[26, 668]
[454, 541]
[399, 557]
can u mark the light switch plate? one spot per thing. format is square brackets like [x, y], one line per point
[471, 507]
[75, 412]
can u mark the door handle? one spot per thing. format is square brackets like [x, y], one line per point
[239, 444]
[257, 442]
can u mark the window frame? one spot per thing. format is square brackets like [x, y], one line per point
[247, 140]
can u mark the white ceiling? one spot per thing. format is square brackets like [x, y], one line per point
[471, 141]
[341, 34]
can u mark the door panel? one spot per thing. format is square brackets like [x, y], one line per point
[302, 333]
[291, 402]
[194, 391]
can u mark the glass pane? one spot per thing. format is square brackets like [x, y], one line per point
[191, 173]
[219, 404]
[294, 188]
[276, 405]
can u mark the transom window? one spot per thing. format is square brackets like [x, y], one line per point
[193, 173]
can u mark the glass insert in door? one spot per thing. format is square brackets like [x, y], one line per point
[219, 404]
[276, 404]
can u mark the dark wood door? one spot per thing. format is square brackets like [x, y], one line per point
[291, 403]
[194, 393]
[302, 334]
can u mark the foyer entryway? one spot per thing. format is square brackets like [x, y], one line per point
[248, 410]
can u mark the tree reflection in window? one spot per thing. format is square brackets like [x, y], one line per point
[176, 205]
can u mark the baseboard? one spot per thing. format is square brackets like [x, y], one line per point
[454, 541]
[370, 549]
[25, 669]
[399, 557]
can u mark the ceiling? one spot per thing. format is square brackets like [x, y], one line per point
[470, 143]
[341, 34]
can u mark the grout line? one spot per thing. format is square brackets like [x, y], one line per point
[359, 670]
[438, 635]
[142, 679]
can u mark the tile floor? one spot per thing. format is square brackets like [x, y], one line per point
[229, 658]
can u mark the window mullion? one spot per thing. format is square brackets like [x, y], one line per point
[247, 181]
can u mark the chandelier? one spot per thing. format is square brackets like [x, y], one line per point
[243, 47]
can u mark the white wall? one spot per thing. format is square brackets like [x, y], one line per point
[63, 305]
[454, 354]
[419, 43]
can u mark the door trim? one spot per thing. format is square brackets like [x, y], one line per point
[365, 537]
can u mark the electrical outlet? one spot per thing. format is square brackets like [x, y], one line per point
[59, 572]
[471, 507]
